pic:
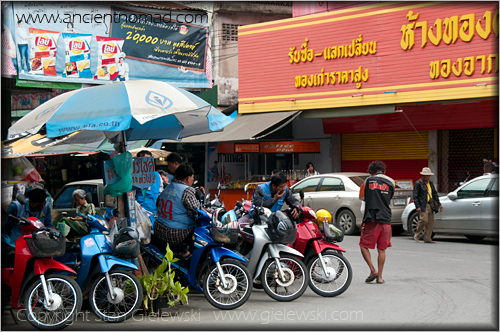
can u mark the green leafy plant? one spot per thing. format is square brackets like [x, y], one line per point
[161, 283]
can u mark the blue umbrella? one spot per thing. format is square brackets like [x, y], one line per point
[142, 109]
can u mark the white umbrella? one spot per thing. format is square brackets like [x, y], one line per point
[142, 109]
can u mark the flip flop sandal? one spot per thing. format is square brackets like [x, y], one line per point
[371, 277]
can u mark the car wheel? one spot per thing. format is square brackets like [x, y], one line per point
[347, 220]
[413, 224]
[475, 238]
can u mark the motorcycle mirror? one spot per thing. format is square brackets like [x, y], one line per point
[301, 193]
[259, 191]
[256, 217]
[239, 204]
[21, 199]
[199, 194]
[246, 187]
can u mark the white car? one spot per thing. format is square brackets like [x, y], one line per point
[470, 210]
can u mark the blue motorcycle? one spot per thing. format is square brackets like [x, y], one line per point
[212, 269]
[114, 293]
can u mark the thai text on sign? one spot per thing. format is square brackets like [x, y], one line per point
[143, 172]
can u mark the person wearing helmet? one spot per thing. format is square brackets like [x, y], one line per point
[177, 206]
[376, 228]
[276, 193]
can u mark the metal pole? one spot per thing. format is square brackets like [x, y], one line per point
[122, 198]
[265, 164]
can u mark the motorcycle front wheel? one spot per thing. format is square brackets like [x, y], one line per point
[66, 302]
[128, 296]
[337, 277]
[238, 285]
[295, 278]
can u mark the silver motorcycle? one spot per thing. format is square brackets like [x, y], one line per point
[273, 265]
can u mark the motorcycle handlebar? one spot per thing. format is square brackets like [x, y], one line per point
[15, 217]
[20, 220]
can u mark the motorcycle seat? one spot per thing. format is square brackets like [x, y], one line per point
[162, 246]
[73, 247]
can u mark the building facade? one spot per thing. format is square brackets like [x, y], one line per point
[413, 84]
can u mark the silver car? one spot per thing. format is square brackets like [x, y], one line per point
[338, 193]
[470, 210]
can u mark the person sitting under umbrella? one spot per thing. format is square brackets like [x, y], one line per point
[177, 205]
[83, 206]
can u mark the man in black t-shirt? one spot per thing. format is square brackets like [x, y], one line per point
[376, 227]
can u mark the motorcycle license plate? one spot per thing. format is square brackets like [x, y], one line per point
[399, 201]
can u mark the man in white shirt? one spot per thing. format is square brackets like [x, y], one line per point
[22, 43]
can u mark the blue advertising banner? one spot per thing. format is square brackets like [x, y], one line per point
[94, 43]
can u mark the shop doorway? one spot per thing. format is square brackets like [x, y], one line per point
[461, 154]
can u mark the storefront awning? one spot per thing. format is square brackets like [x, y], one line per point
[245, 127]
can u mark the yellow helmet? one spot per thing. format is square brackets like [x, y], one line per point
[323, 216]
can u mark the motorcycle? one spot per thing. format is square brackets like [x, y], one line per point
[264, 240]
[225, 281]
[216, 202]
[36, 282]
[114, 293]
[330, 273]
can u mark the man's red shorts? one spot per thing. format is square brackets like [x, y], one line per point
[375, 233]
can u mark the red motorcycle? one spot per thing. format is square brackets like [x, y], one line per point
[330, 272]
[51, 299]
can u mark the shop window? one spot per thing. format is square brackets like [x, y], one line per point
[229, 32]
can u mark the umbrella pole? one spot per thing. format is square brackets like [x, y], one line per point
[122, 198]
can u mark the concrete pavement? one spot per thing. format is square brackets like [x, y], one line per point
[452, 284]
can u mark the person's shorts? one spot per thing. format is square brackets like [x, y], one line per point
[375, 233]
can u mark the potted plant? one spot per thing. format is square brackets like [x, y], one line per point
[160, 288]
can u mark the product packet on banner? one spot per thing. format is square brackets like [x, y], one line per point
[77, 55]
[109, 50]
[43, 52]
